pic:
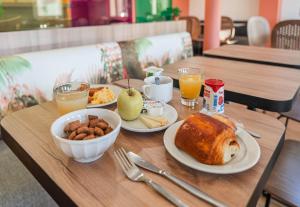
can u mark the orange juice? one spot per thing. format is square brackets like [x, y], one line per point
[190, 86]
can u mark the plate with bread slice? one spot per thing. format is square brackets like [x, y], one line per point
[212, 144]
[102, 95]
[148, 123]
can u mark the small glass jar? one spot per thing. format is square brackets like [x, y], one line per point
[71, 96]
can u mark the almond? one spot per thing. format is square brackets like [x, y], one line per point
[74, 125]
[67, 128]
[93, 122]
[102, 125]
[82, 130]
[91, 136]
[99, 131]
[72, 135]
[108, 130]
[80, 136]
[91, 131]
[84, 125]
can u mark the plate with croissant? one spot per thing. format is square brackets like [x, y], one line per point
[212, 144]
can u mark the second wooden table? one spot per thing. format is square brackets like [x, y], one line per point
[264, 55]
[255, 85]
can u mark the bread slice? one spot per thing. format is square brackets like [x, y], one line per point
[152, 121]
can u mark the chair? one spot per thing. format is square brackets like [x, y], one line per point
[258, 31]
[194, 28]
[286, 35]
[284, 183]
[294, 113]
[227, 32]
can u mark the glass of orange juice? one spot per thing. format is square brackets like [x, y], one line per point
[71, 96]
[190, 82]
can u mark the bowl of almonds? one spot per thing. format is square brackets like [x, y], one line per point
[86, 134]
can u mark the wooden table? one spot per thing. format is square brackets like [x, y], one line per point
[102, 183]
[255, 85]
[264, 55]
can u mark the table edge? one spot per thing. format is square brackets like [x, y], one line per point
[291, 66]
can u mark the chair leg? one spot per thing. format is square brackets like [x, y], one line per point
[268, 198]
[280, 116]
[286, 122]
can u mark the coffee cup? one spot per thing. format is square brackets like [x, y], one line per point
[158, 88]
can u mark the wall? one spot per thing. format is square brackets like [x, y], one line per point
[236, 9]
[270, 9]
[35, 40]
[151, 10]
[290, 9]
[183, 5]
[196, 8]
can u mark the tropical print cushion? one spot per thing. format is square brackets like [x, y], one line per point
[28, 79]
[155, 51]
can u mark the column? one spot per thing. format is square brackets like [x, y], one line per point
[271, 10]
[133, 12]
[212, 24]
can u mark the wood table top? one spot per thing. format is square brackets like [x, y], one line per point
[255, 85]
[102, 183]
[266, 55]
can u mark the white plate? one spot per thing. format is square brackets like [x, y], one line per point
[247, 157]
[170, 114]
[115, 89]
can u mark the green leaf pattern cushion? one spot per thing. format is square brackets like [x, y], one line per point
[155, 51]
[28, 79]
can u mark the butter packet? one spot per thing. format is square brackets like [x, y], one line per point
[153, 108]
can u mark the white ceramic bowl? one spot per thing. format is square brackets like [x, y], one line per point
[85, 150]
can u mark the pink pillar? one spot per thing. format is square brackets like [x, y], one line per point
[133, 12]
[212, 23]
[270, 9]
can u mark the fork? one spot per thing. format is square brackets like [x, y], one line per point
[134, 174]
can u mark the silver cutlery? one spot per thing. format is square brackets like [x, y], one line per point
[193, 190]
[252, 133]
[134, 174]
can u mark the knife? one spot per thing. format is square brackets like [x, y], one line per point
[193, 190]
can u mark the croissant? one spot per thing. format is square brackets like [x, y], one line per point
[208, 140]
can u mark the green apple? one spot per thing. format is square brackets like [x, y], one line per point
[130, 104]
